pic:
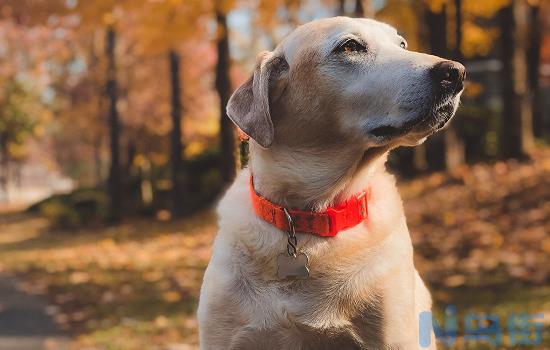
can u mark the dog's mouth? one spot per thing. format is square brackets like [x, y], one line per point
[427, 122]
[389, 131]
[441, 115]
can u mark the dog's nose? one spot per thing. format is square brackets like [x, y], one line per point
[449, 75]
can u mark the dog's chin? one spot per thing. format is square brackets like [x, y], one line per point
[417, 128]
[411, 133]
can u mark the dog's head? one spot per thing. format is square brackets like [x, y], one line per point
[346, 81]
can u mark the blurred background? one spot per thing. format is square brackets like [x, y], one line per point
[115, 146]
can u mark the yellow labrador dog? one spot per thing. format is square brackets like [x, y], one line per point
[313, 250]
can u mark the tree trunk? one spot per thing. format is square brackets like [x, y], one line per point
[458, 30]
[176, 143]
[533, 57]
[341, 8]
[114, 183]
[98, 178]
[516, 137]
[454, 145]
[437, 29]
[98, 138]
[363, 8]
[223, 87]
[131, 152]
[98, 135]
[4, 171]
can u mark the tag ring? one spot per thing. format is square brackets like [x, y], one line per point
[292, 240]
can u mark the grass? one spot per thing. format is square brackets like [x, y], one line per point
[481, 238]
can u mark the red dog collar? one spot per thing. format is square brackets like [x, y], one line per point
[327, 223]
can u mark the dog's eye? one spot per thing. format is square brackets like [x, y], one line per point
[403, 45]
[351, 46]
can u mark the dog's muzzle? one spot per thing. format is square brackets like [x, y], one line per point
[448, 77]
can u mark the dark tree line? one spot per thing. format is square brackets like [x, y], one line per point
[114, 181]
[519, 52]
[519, 44]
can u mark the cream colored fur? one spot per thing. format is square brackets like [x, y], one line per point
[313, 146]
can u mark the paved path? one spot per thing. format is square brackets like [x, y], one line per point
[24, 324]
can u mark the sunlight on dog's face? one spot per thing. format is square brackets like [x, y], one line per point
[361, 72]
[347, 82]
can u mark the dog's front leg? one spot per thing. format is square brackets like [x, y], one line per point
[401, 316]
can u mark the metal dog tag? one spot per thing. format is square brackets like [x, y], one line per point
[293, 267]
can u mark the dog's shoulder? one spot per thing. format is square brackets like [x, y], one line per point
[235, 203]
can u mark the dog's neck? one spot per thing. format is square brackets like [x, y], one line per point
[312, 179]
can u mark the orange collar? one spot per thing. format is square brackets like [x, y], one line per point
[327, 223]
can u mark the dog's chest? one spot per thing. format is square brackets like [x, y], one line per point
[316, 316]
[315, 309]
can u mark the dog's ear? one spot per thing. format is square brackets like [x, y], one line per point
[249, 107]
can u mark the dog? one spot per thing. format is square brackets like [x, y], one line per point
[322, 112]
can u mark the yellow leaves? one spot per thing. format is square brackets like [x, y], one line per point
[161, 321]
[158, 26]
[153, 276]
[207, 127]
[108, 19]
[479, 41]
[455, 281]
[436, 5]
[498, 240]
[403, 16]
[107, 244]
[112, 279]
[171, 296]
[174, 3]
[473, 89]
[486, 8]
[194, 148]
[140, 160]
[449, 218]
[159, 158]
[163, 215]
[488, 222]
[224, 6]
[79, 277]
[18, 151]
[39, 130]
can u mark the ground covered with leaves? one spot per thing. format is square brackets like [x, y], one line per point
[482, 244]
[482, 240]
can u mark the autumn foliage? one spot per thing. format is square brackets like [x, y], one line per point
[126, 100]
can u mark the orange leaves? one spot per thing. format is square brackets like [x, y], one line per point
[490, 221]
[478, 36]
[224, 6]
[79, 277]
[136, 285]
[479, 40]
[455, 281]
[171, 296]
[158, 26]
[405, 17]
[485, 8]
[132, 286]
[101, 12]
[437, 5]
